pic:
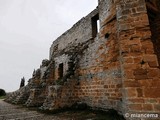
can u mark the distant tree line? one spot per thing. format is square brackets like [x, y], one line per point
[2, 92]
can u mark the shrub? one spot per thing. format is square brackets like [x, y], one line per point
[2, 92]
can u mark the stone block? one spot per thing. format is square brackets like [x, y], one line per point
[136, 107]
[153, 73]
[135, 48]
[130, 84]
[128, 60]
[135, 100]
[131, 92]
[141, 9]
[151, 101]
[130, 66]
[150, 82]
[153, 64]
[151, 59]
[152, 92]
[137, 59]
[140, 74]
[140, 71]
[147, 107]
[140, 92]
[157, 107]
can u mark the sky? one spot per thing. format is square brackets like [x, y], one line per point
[27, 30]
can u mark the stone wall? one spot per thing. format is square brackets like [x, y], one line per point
[97, 67]
[139, 63]
[113, 68]
[78, 34]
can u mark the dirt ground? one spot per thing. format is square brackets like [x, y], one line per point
[16, 112]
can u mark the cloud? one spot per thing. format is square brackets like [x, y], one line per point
[28, 28]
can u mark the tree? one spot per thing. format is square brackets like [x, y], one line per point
[2, 92]
[22, 82]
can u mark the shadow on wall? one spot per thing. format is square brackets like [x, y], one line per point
[153, 9]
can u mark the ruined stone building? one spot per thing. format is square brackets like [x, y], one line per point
[114, 65]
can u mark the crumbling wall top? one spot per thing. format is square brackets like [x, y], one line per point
[79, 33]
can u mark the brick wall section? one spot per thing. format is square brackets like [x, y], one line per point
[98, 72]
[141, 75]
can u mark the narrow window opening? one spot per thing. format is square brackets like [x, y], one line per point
[53, 69]
[98, 26]
[60, 70]
[95, 25]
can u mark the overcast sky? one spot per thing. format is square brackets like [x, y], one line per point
[27, 30]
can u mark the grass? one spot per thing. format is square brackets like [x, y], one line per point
[2, 97]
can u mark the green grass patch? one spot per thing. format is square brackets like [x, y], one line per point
[2, 97]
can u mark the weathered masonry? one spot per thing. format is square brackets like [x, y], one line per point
[114, 65]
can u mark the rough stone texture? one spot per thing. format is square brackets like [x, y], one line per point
[139, 63]
[116, 68]
[20, 96]
[12, 112]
